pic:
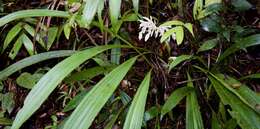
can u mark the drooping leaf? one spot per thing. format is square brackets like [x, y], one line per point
[67, 30]
[197, 8]
[32, 13]
[33, 60]
[11, 35]
[135, 114]
[52, 33]
[50, 80]
[173, 23]
[178, 60]
[242, 43]
[96, 98]
[174, 99]
[193, 115]
[33, 33]
[208, 45]
[189, 27]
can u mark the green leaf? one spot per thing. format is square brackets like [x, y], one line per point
[88, 73]
[172, 23]
[193, 115]
[246, 117]
[135, 113]
[32, 13]
[241, 5]
[252, 76]
[179, 35]
[52, 33]
[136, 5]
[28, 44]
[151, 113]
[96, 98]
[90, 10]
[16, 47]
[11, 35]
[8, 102]
[5, 121]
[33, 33]
[116, 54]
[28, 80]
[178, 60]
[175, 97]
[75, 101]
[208, 45]
[67, 30]
[33, 60]
[242, 43]
[114, 10]
[50, 80]
[197, 8]
[189, 27]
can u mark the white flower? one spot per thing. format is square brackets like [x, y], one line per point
[149, 29]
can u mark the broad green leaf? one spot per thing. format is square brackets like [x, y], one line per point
[33, 60]
[208, 45]
[246, 117]
[253, 76]
[28, 44]
[16, 47]
[88, 73]
[51, 79]
[136, 5]
[241, 5]
[174, 99]
[193, 115]
[172, 23]
[11, 35]
[96, 98]
[32, 13]
[28, 80]
[75, 101]
[8, 102]
[211, 24]
[174, 62]
[90, 10]
[114, 10]
[242, 43]
[168, 34]
[135, 113]
[125, 98]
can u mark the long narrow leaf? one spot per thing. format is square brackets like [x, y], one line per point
[193, 115]
[93, 102]
[32, 13]
[135, 114]
[50, 80]
[11, 35]
[33, 60]
[114, 10]
[175, 97]
[90, 10]
[136, 5]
